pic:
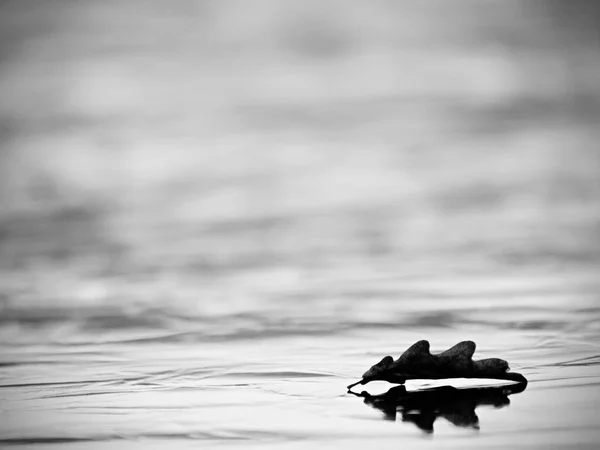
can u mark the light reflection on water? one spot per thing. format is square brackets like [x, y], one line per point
[231, 230]
[271, 379]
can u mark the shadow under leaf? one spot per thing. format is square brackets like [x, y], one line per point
[455, 405]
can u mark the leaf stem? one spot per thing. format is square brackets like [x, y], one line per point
[354, 384]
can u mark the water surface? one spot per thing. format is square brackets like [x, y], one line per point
[212, 221]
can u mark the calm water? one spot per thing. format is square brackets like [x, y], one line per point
[213, 219]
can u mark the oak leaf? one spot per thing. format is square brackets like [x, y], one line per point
[457, 362]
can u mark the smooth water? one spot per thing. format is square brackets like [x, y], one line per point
[214, 219]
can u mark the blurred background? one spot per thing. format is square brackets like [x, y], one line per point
[219, 171]
[154, 152]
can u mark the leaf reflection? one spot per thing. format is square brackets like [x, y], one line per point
[455, 405]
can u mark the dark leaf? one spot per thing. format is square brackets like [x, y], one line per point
[457, 362]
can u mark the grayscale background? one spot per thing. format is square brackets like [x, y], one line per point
[214, 215]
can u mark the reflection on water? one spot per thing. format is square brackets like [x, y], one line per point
[455, 405]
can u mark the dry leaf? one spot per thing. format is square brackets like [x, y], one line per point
[457, 362]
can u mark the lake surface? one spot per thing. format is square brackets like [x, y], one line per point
[214, 219]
